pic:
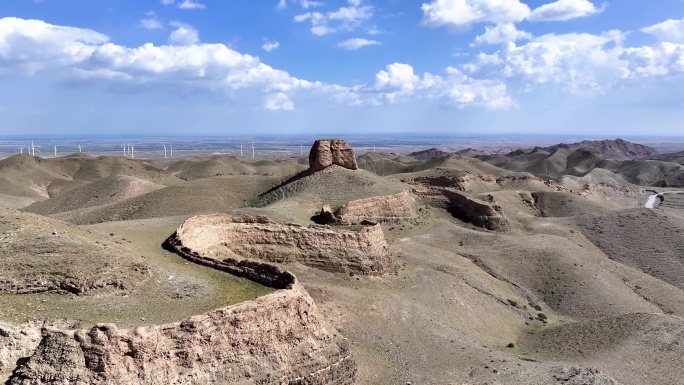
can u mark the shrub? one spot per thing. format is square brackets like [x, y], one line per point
[510, 345]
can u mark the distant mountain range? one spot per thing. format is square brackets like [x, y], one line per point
[617, 148]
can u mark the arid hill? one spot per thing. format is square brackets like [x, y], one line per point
[541, 266]
[618, 148]
[428, 154]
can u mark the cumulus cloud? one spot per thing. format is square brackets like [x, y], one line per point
[151, 21]
[279, 101]
[270, 46]
[82, 56]
[183, 34]
[501, 33]
[563, 10]
[664, 59]
[669, 30]
[343, 19]
[462, 13]
[578, 62]
[398, 81]
[356, 43]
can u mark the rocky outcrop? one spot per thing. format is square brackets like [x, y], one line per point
[279, 338]
[394, 208]
[327, 152]
[481, 214]
[361, 250]
[428, 154]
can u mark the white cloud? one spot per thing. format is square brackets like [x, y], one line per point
[85, 57]
[190, 4]
[462, 13]
[580, 63]
[500, 34]
[398, 81]
[669, 30]
[563, 10]
[270, 46]
[279, 101]
[665, 59]
[185, 4]
[183, 34]
[356, 43]
[151, 21]
[306, 4]
[343, 19]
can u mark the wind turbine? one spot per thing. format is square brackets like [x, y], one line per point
[132, 152]
[79, 148]
[301, 150]
[124, 150]
[373, 148]
[240, 150]
[21, 150]
[33, 149]
[171, 150]
[252, 150]
[164, 150]
[55, 150]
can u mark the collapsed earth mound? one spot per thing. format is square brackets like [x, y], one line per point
[327, 152]
[400, 207]
[361, 250]
[487, 215]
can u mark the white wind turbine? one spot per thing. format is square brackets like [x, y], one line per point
[124, 150]
[252, 150]
[21, 149]
[55, 150]
[164, 150]
[240, 150]
[301, 150]
[33, 149]
[79, 148]
[171, 150]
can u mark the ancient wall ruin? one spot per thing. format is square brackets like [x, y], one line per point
[362, 250]
[279, 338]
[399, 207]
[480, 214]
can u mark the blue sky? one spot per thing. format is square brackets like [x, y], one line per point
[345, 66]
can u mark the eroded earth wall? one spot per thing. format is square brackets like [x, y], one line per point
[279, 338]
[399, 207]
[362, 250]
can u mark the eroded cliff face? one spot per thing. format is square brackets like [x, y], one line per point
[218, 236]
[399, 207]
